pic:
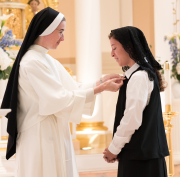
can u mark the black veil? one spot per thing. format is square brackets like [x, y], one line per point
[38, 24]
[135, 44]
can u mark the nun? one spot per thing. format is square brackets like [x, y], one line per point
[139, 142]
[44, 98]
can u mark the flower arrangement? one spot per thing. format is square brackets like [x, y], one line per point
[6, 40]
[174, 42]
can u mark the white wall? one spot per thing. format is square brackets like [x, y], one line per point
[126, 12]
[110, 19]
[114, 14]
[163, 19]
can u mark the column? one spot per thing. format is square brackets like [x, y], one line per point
[91, 133]
[88, 48]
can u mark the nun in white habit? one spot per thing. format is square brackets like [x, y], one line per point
[44, 98]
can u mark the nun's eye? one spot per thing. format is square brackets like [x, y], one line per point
[114, 49]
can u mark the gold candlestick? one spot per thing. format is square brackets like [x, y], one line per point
[168, 115]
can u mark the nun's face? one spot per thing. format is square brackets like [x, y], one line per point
[119, 54]
[54, 39]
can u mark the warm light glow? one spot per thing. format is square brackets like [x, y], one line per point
[86, 148]
[86, 117]
[88, 130]
[93, 138]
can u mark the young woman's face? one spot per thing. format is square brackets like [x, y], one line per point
[54, 39]
[119, 54]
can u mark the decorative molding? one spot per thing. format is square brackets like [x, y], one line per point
[3, 149]
[4, 137]
[70, 60]
[92, 126]
[13, 5]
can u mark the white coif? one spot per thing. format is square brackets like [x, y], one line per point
[53, 25]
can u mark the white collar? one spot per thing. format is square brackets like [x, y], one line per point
[38, 48]
[131, 70]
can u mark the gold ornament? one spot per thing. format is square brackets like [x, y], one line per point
[31, 10]
[14, 22]
[168, 115]
[91, 126]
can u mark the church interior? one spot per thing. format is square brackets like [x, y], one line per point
[86, 55]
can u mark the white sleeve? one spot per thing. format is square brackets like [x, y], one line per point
[136, 100]
[88, 107]
[53, 97]
[86, 85]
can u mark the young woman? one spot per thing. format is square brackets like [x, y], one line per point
[139, 141]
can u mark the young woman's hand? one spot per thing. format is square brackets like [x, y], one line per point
[109, 157]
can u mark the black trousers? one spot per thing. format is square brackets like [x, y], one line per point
[142, 168]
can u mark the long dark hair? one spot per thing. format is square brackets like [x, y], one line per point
[135, 44]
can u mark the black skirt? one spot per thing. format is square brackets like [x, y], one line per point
[142, 168]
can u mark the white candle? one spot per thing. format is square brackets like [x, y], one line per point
[168, 100]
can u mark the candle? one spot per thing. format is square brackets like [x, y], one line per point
[168, 101]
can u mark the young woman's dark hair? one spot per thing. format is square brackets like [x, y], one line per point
[135, 44]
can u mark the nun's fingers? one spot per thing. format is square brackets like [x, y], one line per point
[122, 78]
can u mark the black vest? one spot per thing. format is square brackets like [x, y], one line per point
[149, 141]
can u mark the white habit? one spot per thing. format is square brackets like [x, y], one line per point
[49, 99]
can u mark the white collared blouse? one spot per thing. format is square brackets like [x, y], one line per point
[138, 94]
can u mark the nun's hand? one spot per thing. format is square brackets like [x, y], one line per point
[113, 85]
[109, 77]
